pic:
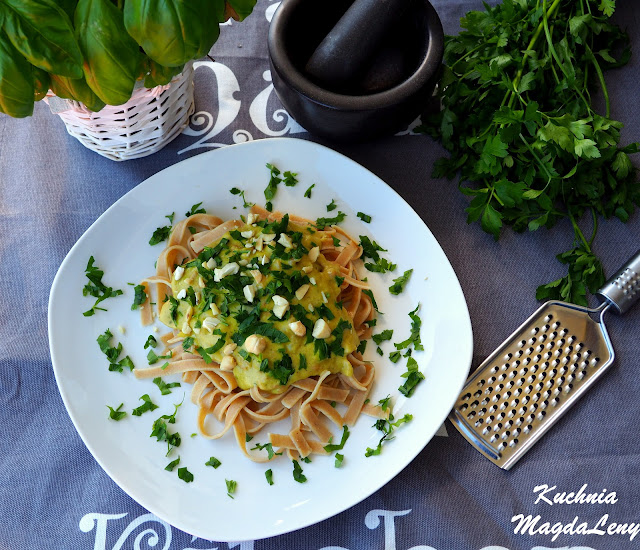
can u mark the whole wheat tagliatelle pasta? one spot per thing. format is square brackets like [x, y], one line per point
[267, 320]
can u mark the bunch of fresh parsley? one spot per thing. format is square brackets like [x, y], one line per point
[519, 122]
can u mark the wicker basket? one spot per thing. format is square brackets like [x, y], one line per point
[140, 127]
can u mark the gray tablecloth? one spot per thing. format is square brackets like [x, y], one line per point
[53, 494]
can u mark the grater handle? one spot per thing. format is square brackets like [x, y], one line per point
[623, 289]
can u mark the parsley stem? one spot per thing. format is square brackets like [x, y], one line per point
[483, 45]
[578, 232]
[605, 92]
[532, 43]
[535, 156]
[594, 215]
[554, 53]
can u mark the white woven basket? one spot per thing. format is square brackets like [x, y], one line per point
[140, 127]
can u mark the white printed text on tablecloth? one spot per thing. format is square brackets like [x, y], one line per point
[148, 531]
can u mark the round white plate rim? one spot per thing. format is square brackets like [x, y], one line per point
[284, 143]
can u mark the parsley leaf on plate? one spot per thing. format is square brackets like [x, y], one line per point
[96, 288]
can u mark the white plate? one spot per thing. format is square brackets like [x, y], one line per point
[119, 242]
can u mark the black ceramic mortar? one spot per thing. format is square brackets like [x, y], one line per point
[381, 93]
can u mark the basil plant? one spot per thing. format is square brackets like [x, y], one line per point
[94, 51]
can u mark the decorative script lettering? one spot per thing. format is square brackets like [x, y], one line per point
[550, 495]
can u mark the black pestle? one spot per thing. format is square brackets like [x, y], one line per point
[343, 54]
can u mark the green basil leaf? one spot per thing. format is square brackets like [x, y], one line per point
[172, 32]
[41, 31]
[16, 81]
[41, 83]
[242, 8]
[158, 75]
[69, 7]
[111, 55]
[76, 88]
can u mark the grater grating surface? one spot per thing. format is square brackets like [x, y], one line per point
[533, 378]
[517, 394]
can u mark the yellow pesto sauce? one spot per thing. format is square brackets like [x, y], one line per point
[277, 269]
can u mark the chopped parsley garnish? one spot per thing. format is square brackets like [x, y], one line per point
[195, 209]
[173, 308]
[187, 343]
[214, 462]
[248, 438]
[339, 459]
[332, 205]
[147, 405]
[169, 467]
[272, 186]
[414, 337]
[290, 178]
[283, 369]
[264, 365]
[165, 389]
[151, 342]
[116, 414]
[161, 432]
[364, 217]
[269, 475]
[268, 447]
[321, 223]
[96, 288]
[394, 356]
[386, 426]
[203, 353]
[345, 435]
[339, 280]
[369, 293]
[231, 487]
[139, 298]
[112, 353]
[383, 336]
[413, 378]
[342, 325]
[398, 284]
[381, 266]
[321, 348]
[160, 234]
[362, 346]
[370, 249]
[185, 475]
[297, 472]
[325, 312]
[271, 332]
[236, 191]
[153, 358]
[307, 193]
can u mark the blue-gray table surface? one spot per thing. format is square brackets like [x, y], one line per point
[54, 495]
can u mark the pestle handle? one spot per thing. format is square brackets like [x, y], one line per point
[343, 53]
